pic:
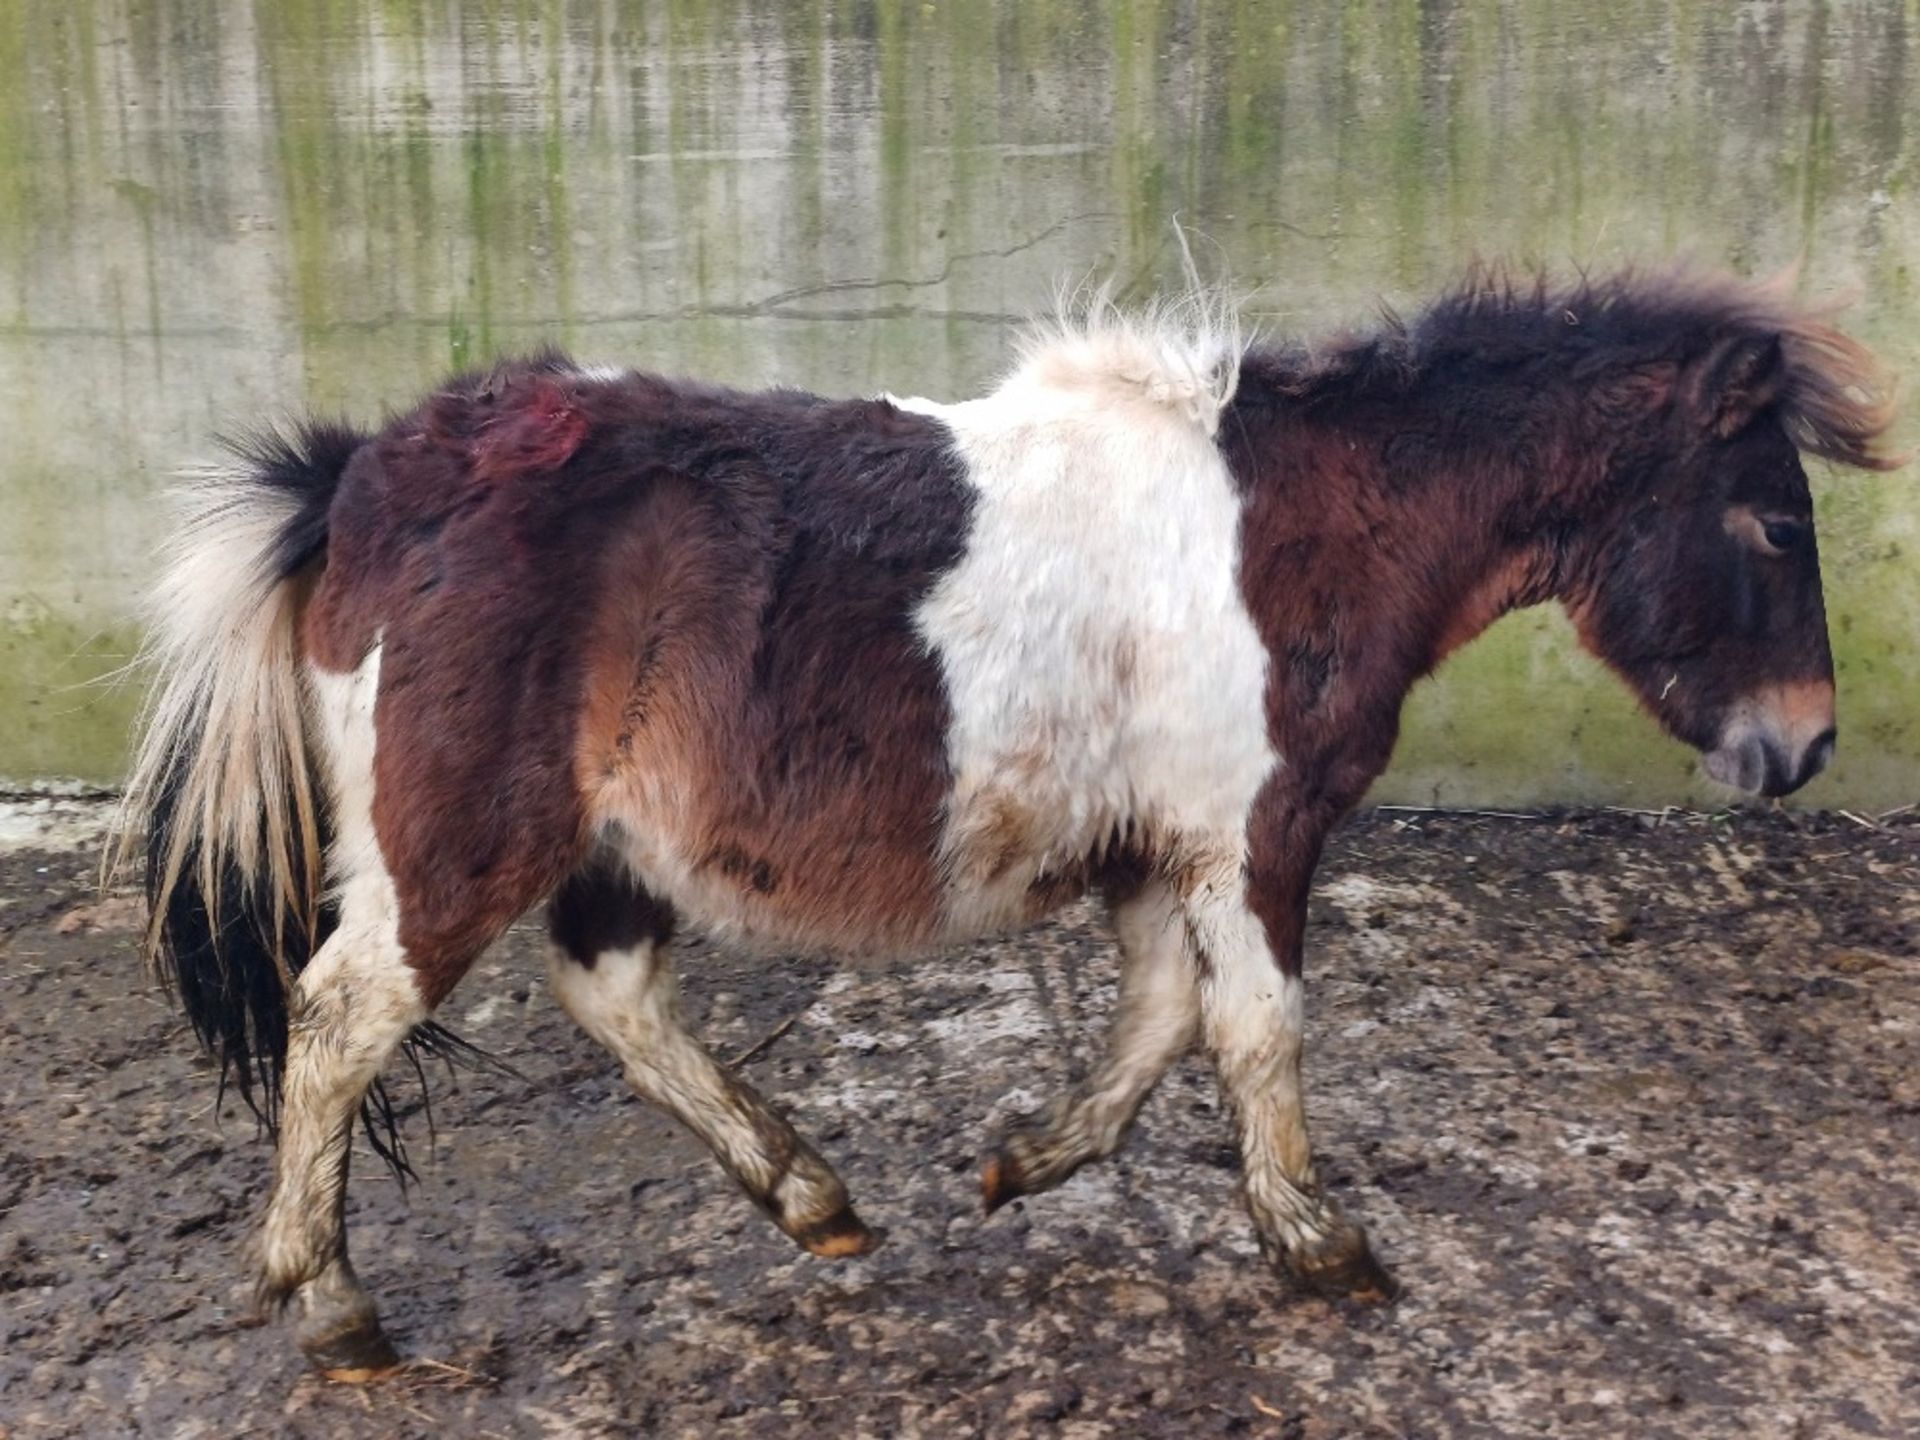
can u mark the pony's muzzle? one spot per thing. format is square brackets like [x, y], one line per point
[1776, 740]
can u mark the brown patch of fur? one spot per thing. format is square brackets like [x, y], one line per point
[432, 553]
[1801, 711]
[757, 702]
[1520, 580]
[644, 605]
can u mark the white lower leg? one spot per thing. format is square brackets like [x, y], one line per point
[1255, 1030]
[351, 1008]
[1153, 1024]
[1254, 1021]
[629, 1002]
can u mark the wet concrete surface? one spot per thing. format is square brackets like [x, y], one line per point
[1629, 1102]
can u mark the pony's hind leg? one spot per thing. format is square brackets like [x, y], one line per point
[610, 970]
[351, 1008]
[1155, 1021]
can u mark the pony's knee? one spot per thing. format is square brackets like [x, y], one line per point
[625, 999]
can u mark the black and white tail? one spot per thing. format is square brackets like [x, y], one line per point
[224, 797]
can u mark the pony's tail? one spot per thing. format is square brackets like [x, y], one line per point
[224, 798]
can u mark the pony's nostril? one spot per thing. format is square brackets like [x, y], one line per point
[1746, 765]
[1819, 755]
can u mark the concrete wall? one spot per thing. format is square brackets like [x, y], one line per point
[211, 211]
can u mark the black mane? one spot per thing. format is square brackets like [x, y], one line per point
[1837, 403]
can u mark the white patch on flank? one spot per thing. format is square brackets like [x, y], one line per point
[1106, 680]
[344, 707]
[664, 801]
[1100, 662]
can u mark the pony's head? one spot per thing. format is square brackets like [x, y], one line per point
[1700, 583]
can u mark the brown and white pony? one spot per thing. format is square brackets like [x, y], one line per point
[879, 675]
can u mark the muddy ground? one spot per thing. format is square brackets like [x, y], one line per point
[1630, 1103]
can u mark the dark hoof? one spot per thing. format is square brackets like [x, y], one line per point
[1342, 1267]
[353, 1349]
[1000, 1180]
[840, 1237]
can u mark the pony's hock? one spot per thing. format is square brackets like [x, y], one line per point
[882, 675]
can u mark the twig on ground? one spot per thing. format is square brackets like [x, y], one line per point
[763, 1042]
[1454, 810]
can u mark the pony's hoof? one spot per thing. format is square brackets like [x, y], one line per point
[840, 1236]
[352, 1349]
[1341, 1266]
[1000, 1180]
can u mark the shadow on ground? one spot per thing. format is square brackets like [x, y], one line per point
[1629, 1102]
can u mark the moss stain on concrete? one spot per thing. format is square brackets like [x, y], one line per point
[245, 208]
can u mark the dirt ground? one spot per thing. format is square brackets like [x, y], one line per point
[1629, 1102]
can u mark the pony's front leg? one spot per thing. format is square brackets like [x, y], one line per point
[1253, 1013]
[1154, 1023]
[351, 1008]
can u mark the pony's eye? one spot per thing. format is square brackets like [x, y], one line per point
[1781, 535]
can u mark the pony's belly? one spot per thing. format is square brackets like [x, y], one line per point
[1013, 854]
[1009, 879]
[767, 888]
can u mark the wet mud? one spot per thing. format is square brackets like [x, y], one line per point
[1630, 1103]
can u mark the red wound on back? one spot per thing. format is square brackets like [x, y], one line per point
[519, 424]
[537, 426]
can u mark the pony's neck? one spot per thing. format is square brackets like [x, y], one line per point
[1383, 536]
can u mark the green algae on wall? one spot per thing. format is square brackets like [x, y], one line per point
[214, 211]
[67, 707]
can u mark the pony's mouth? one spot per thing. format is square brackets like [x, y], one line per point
[1757, 765]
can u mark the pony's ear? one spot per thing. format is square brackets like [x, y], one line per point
[1734, 381]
